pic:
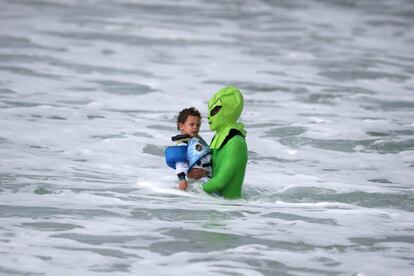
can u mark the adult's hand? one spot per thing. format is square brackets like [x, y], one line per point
[197, 173]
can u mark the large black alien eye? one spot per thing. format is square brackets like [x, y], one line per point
[215, 110]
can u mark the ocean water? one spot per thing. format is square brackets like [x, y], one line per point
[89, 91]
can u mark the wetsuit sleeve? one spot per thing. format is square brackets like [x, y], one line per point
[234, 158]
[181, 169]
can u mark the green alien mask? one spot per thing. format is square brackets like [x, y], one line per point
[224, 108]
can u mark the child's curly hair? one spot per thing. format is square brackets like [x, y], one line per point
[182, 116]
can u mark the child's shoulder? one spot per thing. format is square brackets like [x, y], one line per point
[181, 138]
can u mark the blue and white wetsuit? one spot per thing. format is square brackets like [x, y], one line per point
[188, 153]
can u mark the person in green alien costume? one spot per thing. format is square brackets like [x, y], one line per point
[229, 148]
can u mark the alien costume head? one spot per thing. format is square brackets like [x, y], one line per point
[224, 108]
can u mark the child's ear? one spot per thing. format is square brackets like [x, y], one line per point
[180, 126]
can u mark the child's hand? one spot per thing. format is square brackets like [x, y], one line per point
[183, 185]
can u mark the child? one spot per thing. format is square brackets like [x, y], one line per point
[191, 150]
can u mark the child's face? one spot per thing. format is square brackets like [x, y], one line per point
[191, 126]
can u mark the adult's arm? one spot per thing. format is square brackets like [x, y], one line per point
[197, 173]
[233, 159]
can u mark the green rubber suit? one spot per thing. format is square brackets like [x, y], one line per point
[229, 148]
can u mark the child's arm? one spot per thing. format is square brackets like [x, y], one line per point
[182, 185]
[181, 168]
